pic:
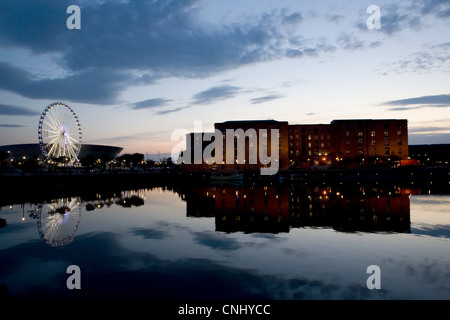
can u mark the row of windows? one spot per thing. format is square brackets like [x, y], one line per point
[374, 142]
[373, 126]
[309, 152]
[373, 133]
[387, 151]
[310, 137]
[314, 130]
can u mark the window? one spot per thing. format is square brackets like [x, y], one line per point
[399, 133]
[386, 141]
[347, 142]
[347, 151]
[373, 134]
[386, 151]
[374, 151]
[309, 144]
[322, 137]
[360, 133]
[360, 142]
[399, 142]
[400, 151]
[309, 137]
[316, 137]
[322, 145]
[374, 142]
[386, 133]
[347, 133]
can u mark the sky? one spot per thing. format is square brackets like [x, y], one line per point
[138, 71]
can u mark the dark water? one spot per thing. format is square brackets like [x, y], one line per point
[230, 242]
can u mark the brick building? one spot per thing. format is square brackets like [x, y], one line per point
[302, 145]
[370, 138]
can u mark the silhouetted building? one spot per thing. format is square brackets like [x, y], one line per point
[431, 154]
[309, 144]
[303, 145]
[370, 138]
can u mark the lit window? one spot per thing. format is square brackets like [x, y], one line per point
[373, 134]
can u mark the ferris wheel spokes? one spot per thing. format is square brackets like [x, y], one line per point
[60, 133]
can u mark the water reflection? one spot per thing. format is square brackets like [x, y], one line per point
[258, 241]
[278, 208]
[58, 221]
[249, 209]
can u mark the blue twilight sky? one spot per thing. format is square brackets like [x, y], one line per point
[138, 70]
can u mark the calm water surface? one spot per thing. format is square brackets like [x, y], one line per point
[232, 242]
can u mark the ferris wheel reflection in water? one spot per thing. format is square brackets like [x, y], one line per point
[59, 220]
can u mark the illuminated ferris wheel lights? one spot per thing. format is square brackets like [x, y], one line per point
[59, 132]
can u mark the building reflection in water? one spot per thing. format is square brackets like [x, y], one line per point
[241, 208]
[279, 208]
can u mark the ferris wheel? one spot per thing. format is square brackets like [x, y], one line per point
[58, 221]
[60, 133]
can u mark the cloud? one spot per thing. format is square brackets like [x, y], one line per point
[147, 233]
[216, 241]
[11, 126]
[214, 94]
[350, 42]
[294, 18]
[437, 101]
[149, 104]
[163, 112]
[92, 85]
[440, 8]
[305, 48]
[394, 18]
[125, 43]
[10, 110]
[265, 98]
